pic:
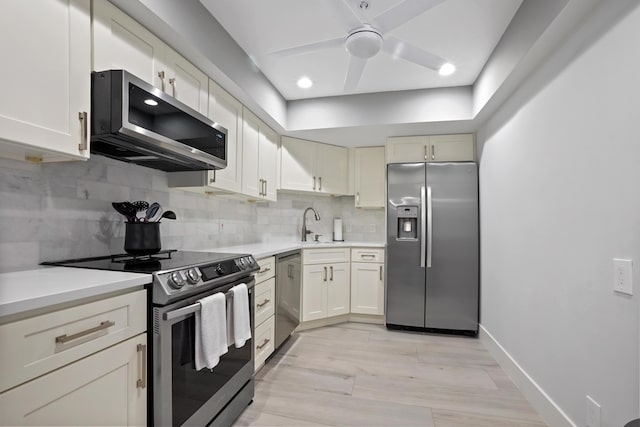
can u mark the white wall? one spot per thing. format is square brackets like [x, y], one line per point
[560, 197]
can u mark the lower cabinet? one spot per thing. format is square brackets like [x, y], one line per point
[367, 281]
[106, 388]
[264, 311]
[325, 286]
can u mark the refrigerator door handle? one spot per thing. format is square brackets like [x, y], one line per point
[423, 221]
[429, 227]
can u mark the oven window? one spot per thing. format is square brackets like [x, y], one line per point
[191, 388]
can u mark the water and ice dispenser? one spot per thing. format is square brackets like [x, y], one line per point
[407, 223]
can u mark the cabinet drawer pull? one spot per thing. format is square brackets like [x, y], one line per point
[142, 381]
[62, 339]
[263, 303]
[264, 271]
[320, 183]
[368, 255]
[325, 274]
[314, 183]
[433, 152]
[380, 273]
[172, 82]
[82, 116]
[161, 75]
[357, 198]
[331, 270]
[265, 342]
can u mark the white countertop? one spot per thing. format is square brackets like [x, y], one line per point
[262, 250]
[22, 291]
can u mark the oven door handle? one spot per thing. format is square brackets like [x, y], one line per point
[189, 309]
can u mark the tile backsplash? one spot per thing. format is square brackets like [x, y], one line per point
[63, 210]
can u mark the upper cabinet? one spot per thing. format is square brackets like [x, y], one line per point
[259, 158]
[369, 177]
[434, 148]
[226, 111]
[314, 167]
[46, 96]
[119, 42]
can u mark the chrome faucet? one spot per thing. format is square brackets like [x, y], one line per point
[304, 222]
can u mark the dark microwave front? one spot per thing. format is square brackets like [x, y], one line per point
[136, 122]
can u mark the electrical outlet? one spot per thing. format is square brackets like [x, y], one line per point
[622, 276]
[372, 228]
[593, 413]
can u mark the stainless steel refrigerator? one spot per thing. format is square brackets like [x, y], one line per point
[432, 247]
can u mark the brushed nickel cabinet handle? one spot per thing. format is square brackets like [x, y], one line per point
[331, 270]
[265, 342]
[261, 187]
[320, 181]
[82, 116]
[325, 274]
[161, 75]
[433, 152]
[314, 183]
[290, 271]
[213, 179]
[368, 255]
[357, 198]
[380, 273]
[264, 271]
[266, 187]
[172, 82]
[62, 339]
[263, 303]
[142, 381]
[426, 152]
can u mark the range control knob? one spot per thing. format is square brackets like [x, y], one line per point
[193, 276]
[175, 280]
[220, 269]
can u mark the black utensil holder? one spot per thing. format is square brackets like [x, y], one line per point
[142, 238]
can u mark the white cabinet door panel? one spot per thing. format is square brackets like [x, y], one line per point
[250, 156]
[268, 162]
[298, 164]
[331, 169]
[185, 82]
[367, 288]
[314, 292]
[370, 177]
[407, 149]
[338, 289]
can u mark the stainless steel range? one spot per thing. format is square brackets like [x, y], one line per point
[183, 395]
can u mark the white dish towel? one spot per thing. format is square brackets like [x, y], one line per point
[239, 322]
[211, 331]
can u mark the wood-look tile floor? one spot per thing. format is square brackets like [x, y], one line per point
[356, 374]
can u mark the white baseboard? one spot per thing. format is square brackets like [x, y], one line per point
[547, 408]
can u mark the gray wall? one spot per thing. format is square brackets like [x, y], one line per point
[63, 210]
[560, 197]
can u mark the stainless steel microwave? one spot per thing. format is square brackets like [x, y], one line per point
[135, 122]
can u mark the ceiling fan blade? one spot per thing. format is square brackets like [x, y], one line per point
[308, 48]
[356, 66]
[347, 15]
[399, 49]
[403, 12]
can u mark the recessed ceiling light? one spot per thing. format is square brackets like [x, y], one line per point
[447, 69]
[151, 102]
[305, 83]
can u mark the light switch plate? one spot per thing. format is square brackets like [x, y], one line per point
[622, 276]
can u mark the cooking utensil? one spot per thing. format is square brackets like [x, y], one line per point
[140, 205]
[168, 215]
[125, 209]
[152, 211]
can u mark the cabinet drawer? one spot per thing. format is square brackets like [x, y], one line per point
[40, 344]
[367, 255]
[325, 255]
[264, 301]
[267, 269]
[264, 341]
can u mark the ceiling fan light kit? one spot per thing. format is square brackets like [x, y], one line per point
[364, 43]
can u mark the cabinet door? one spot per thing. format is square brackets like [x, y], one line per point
[45, 79]
[332, 169]
[314, 292]
[268, 161]
[251, 180]
[448, 148]
[185, 82]
[108, 388]
[338, 289]
[367, 288]
[407, 149]
[226, 110]
[370, 177]
[119, 42]
[298, 165]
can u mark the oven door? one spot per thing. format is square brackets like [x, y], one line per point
[181, 394]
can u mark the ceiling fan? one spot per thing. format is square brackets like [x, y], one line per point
[365, 39]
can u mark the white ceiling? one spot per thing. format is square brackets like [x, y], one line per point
[464, 32]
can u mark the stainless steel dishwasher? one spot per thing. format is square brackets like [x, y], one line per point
[288, 294]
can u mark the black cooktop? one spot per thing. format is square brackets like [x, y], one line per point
[161, 261]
